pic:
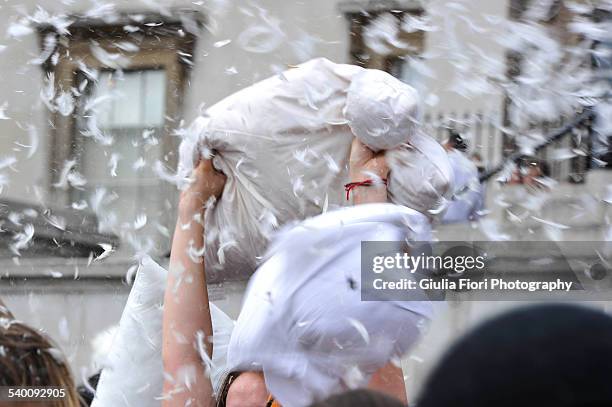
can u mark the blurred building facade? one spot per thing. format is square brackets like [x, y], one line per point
[93, 94]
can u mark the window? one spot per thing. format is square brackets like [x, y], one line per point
[544, 11]
[115, 94]
[554, 17]
[407, 70]
[379, 38]
[130, 114]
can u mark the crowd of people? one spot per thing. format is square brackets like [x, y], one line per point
[305, 338]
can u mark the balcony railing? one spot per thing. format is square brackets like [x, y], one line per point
[483, 130]
[564, 146]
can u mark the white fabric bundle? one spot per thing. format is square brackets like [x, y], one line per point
[381, 110]
[420, 176]
[284, 145]
[136, 347]
[303, 322]
[133, 373]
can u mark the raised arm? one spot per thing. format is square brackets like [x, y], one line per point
[368, 165]
[187, 323]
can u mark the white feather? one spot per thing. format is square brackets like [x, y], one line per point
[108, 249]
[22, 239]
[363, 332]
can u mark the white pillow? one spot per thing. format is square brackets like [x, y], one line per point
[132, 375]
[381, 110]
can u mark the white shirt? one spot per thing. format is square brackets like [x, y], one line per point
[465, 205]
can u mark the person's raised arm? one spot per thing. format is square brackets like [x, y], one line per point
[367, 165]
[187, 323]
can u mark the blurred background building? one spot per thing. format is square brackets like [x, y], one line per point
[94, 94]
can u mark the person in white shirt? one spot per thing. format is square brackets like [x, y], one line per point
[468, 194]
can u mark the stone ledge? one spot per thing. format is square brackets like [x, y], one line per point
[60, 268]
[57, 232]
[359, 6]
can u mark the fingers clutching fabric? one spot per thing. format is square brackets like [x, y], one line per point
[368, 174]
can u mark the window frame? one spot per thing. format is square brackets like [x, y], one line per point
[360, 17]
[161, 47]
[557, 19]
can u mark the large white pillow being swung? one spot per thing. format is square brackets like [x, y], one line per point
[306, 328]
[284, 145]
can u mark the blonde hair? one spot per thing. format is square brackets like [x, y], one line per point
[29, 358]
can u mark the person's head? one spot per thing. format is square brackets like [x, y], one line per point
[359, 398]
[28, 358]
[535, 166]
[247, 389]
[456, 141]
[529, 171]
[552, 355]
